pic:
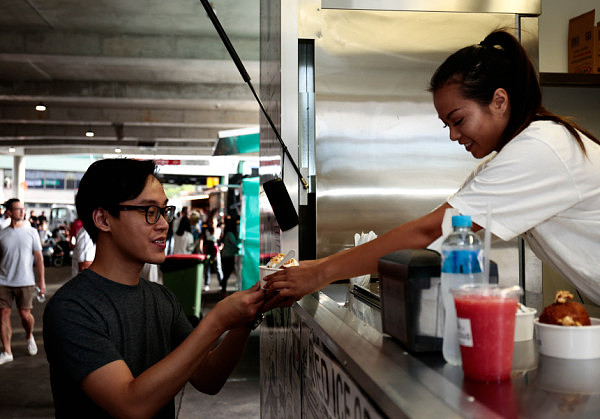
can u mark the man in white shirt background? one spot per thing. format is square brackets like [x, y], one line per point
[20, 247]
[83, 252]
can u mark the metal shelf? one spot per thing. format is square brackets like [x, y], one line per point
[569, 80]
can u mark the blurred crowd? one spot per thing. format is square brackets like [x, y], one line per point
[60, 241]
[57, 243]
[210, 234]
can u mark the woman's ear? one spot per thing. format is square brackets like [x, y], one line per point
[500, 102]
[101, 220]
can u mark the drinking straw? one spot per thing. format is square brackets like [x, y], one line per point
[487, 238]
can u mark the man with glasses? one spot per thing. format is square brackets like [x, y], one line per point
[20, 247]
[119, 345]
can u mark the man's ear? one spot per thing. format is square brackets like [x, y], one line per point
[101, 220]
[500, 102]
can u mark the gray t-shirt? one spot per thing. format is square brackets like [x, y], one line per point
[92, 321]
[16, 255]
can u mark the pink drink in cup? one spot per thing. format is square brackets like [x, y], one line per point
[486, 326]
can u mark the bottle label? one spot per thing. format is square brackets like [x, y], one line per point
[465, 337]
[461, 262]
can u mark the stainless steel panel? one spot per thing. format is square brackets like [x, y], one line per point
[382, 155]
[483, 6]
[529, 31]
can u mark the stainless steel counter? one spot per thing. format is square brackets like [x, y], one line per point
[335, 325]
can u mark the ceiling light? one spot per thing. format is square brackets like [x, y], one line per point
[11, 149]
[89, 133]
[117, 150]
[40, 107]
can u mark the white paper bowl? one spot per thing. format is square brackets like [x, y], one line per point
[524, 324]
[265, 271]
[569, 342]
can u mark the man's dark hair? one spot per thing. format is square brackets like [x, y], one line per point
[106, 184]
[8, 204]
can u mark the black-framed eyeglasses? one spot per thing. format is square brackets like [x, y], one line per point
[153, 212]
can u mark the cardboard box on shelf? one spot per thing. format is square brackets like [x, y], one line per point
[584, 44]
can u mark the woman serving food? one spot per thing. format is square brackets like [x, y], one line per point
[541, 175]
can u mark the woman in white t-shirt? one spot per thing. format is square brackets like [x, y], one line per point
[541, 178]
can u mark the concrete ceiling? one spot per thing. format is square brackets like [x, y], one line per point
[147, 76]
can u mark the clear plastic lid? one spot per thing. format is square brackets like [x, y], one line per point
[487, 290]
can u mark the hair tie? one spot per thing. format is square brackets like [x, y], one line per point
[498, 47]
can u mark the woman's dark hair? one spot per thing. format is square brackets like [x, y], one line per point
[499, 61]
[230, 226]
[184, 225]
[106, 184]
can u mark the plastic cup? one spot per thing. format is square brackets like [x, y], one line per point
[265, 271]
[486, 327]
[524, 324]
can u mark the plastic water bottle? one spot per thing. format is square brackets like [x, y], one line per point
[38, 294]
[461, 264]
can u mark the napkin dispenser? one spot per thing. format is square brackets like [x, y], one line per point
[411, 306]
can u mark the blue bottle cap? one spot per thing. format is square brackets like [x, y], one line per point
[461, 221]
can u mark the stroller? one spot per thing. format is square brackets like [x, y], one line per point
[48, 251]
[57, 250]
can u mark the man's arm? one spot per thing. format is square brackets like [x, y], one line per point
[221, 361]
[114, 388]
[39, 269]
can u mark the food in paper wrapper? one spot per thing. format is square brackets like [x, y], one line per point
[564, 312]
[278, 258]
[269, 268]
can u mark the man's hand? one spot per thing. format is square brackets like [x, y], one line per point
[38, 258]
[273, 299]
[42, 287]
[240, 307]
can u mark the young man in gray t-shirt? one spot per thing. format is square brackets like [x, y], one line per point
[119, 345]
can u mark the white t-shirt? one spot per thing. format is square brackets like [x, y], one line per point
[542, 187]
[4, 222]
[16, 255]
[183, 244]
[84, 250]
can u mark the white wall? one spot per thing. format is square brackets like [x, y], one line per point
[554, 28]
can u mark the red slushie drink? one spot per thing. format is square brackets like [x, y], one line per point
[486, 326]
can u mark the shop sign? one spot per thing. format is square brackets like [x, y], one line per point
[337, 392]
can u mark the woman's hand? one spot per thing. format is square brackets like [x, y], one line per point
[294, 282]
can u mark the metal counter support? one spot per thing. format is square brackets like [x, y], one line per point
[391, 378]
[397, 384]
[326, 338]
